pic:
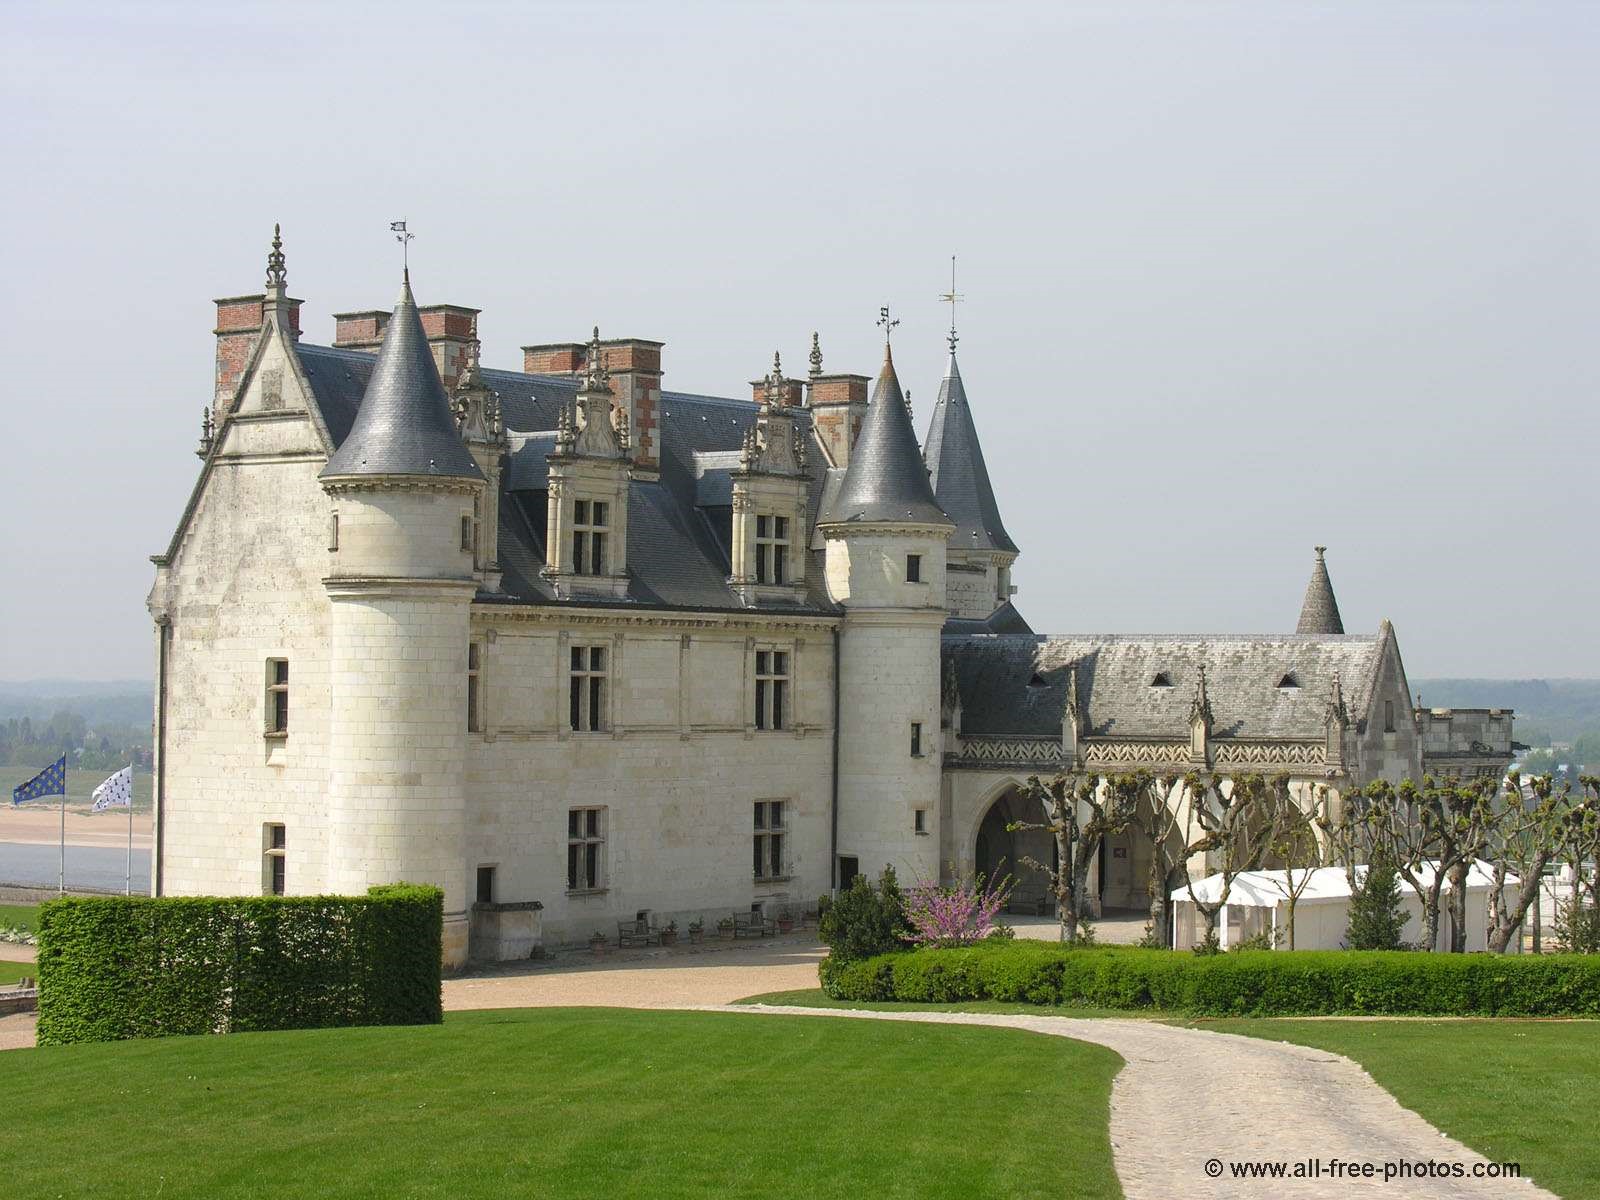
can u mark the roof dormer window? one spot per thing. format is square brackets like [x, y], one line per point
[1161, 680]
[1288, 682]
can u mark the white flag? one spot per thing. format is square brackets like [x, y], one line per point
[118, 790]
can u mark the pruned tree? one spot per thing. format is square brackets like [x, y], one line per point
[1230, 822]
[1580, 851]
[1527, 838]
[1293, 842]
[1426, 832]
[1078, 813]
[1155, 817]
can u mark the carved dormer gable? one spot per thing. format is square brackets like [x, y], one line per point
[476, 408]
[586, 535]
[768, 552]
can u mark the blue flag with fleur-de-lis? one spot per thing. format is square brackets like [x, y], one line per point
[52, 781]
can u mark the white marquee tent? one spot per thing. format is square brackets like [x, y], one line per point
[1258, 902]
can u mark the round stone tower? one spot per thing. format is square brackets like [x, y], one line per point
[885, 554]
[401, 582]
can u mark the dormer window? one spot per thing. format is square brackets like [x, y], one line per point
[1037, 681]
[1161, 680]
[772, 549]
[590, 533]
[1288, 683]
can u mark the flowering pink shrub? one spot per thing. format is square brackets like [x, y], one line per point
[956, 914]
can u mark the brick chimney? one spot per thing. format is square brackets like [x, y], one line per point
[838, 405]
[554, 358]
[450, 328]
[790, 393]
[360, 330]
[240, 320]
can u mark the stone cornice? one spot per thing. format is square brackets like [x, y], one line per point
[556, 617]
[337, 485]
[355, 587]
[841, 529]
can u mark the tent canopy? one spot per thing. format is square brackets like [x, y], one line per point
[1268, 889]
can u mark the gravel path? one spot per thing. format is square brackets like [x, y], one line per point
[1187, 1096]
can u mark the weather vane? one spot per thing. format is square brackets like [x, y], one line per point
[403, 236]
[952, 298]
[888, 325]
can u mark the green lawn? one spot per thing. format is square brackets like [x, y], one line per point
[567, 1102]
[20, 916]
[817, 998]
[1513, 1090]
[10, 972]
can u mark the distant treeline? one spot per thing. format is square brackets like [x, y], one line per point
[97, 726]
[1548, 710]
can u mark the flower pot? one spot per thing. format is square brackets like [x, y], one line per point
[785, 924]
[597, 945]
[725, 932]
[696, 936]
[669, 937]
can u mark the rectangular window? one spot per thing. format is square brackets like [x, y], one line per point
[589, 533]
[913, 568]
[277, 697]
[485, 885]
[849, 868]
[1388, 716]
[772, 688]
[587, 689]
[916, 739]
[466, 532]
[474, 701]
[333, 532]
[772, 549]
[275, 844]
[769, 839]
[920, 821]
[585, 849]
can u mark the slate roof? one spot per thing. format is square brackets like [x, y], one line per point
[957, 471]
[886, 480]
[403, 425]
[1003, 620]
[1018, 685]
[1320, 612]
[678, 527]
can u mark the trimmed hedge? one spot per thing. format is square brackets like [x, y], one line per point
[1260, 983]
[113, 967]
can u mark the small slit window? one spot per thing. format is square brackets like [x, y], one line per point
[1161, 680]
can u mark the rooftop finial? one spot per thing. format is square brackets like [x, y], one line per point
[774, 382]
[816, 356]
[277, 276]
[1321, 550]
[952, 298]
[403, 236]
[887, 324]
[596, 378]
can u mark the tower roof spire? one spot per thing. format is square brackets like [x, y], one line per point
[404, 425]
[886, 480]
[1320, 612]
[955, 464]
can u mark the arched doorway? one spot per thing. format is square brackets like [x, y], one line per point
[1000, 852]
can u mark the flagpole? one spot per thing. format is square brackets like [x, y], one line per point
[128, 888]
[61, 866]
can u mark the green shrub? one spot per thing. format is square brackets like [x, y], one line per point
[1255, 983]
[114, 967]
[864, 920]
[1578, 926]
[1377, 914]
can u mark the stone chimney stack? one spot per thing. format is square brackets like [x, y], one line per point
[451, 331]
[838, 406]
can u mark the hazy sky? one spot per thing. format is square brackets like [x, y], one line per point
[1240, 278]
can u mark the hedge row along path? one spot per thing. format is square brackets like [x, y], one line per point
[1188, 1095]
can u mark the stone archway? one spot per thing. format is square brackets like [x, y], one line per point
[999, 851]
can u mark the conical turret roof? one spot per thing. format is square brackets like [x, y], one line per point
[886, 480]
[404, 426]
[1320, 612]
[956, 468]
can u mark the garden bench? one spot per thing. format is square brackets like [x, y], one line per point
[636, 933]
[753, 925]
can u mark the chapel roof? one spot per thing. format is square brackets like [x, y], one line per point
[957, 471]
[402, 425]
[1259, 687]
